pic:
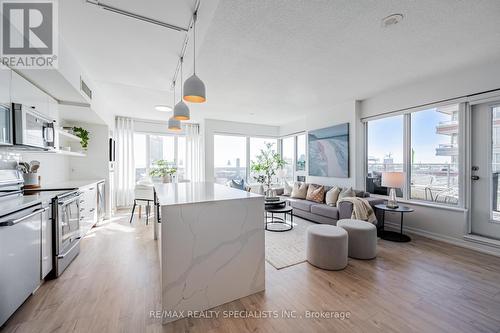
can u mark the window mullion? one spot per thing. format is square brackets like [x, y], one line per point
[407, 155]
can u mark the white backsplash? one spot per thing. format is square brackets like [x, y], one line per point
[53, 168]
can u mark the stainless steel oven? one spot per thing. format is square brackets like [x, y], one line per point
[31, 129]
[67, 229]
[5, 125]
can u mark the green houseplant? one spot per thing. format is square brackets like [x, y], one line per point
[83, 134]
[163, 169]
[267, 163]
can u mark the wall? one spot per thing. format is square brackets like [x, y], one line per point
[333, 115]
[211, 127]
[439, 223]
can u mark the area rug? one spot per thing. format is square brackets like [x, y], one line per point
[285, 249]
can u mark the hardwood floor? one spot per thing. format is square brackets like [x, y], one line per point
[422, 286]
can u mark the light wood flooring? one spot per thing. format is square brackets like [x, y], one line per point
[422, 286]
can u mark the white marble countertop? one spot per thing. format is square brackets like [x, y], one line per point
[70, 184]
[187, 193]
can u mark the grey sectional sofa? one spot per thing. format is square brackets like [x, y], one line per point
[322, 213]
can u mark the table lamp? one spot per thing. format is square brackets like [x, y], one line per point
[393, 180]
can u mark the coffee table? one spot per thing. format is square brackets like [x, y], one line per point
[275, 223]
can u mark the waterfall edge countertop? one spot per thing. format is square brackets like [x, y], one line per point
[187, 193]
[211, 244]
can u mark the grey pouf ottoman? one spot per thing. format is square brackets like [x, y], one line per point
[362, 238]
[327, 247]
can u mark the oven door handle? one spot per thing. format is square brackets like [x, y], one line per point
[61, 256]
[10, 223]
[64, 203]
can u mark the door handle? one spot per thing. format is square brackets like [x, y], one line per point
[475, 177]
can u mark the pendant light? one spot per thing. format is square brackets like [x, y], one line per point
[181, 110]
[174, 124]
[194, 88]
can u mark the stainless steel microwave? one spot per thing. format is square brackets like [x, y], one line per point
[31, 129]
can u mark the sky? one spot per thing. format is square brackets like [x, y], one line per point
[386, 136]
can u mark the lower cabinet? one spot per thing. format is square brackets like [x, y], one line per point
[88, 208]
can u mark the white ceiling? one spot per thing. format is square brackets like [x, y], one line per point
[272, 61]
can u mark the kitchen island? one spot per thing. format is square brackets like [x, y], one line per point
[211, 243]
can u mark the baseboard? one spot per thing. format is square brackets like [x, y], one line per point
[468, 242]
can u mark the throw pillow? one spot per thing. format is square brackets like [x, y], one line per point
[315, 193]
[347, 193]
[299, 191]
[240, 185]
[332, 196]
[287, 189]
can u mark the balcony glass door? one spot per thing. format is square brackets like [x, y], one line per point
[485, 158]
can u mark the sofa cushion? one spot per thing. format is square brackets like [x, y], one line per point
[332, 196]
[299, 191]
[287, 189]
[326, 211]
[302, 204]
[316, 193]
[346, 193]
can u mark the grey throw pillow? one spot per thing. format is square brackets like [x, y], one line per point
[346, 193]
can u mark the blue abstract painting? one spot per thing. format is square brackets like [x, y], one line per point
[329, 151]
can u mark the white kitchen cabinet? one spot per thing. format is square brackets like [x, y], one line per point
[23, 92]
[5, 77]
[46, 254]
[88, 208]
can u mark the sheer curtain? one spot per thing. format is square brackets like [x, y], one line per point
[194, 153]
[125, 168]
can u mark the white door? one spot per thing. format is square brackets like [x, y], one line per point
[485, 158]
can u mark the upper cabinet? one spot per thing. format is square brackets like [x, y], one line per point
[5, 75]
[23, 92]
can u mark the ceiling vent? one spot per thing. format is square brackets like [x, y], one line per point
[85, 89]
[391, 20]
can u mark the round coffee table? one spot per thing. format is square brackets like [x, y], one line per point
[278, 224]
[392, 235]
[275, 207]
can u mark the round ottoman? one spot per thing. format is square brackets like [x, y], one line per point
[362, 238]
[327, 247]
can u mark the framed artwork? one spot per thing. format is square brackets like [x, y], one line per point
[328, 151]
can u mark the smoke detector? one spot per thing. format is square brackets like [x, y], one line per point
[392, 19]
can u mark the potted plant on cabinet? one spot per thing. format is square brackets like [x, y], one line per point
[267, 163]
[163, 169]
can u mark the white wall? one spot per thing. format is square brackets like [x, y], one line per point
[455, 84]
[440, 223]
[211, 127]
[332, 115]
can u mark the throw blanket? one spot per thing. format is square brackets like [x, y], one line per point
[361, 209]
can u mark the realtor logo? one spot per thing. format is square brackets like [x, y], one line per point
[29, 38]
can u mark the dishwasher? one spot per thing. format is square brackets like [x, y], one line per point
[20, 246]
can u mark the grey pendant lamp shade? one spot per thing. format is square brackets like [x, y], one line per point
[181, 110]
[194, 88]
[174, 124]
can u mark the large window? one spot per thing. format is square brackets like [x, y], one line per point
[141, 156]
[256, 146]
[301, 152]
[288, 155]
[430, 158]
[149, 148]
[230, 160]
[385, 152]
[434, 155]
